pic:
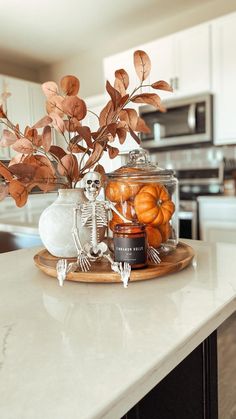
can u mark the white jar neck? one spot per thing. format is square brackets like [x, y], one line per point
[70, 196]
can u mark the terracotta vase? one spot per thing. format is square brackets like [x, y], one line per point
[56, 223]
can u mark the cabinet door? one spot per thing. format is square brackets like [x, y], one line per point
[37, 102]
[162, 55]
[123, 60]
[18, 104]
[4, 151]
[224, 84]
[192, 54]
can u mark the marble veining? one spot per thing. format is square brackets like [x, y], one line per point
[7, 330]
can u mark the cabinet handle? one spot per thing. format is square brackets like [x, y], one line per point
[176, 83]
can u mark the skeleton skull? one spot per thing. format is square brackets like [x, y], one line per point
[92, 185]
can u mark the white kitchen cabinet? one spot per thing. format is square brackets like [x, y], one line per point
[18, 104]
[223, 77]
[192, 55]
[37, 102]
[182, 59]
[4, 151]
[121, 60]
[25, 106]
[217, 219]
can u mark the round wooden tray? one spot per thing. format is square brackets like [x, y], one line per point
[101, 271]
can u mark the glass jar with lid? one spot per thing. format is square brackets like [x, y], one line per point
[145, 193]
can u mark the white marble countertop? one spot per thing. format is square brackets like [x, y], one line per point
[90, 351]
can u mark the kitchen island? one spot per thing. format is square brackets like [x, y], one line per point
[90, 351]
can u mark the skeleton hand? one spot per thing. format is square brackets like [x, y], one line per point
[61, 268]
[125, 273]
[153, 255]
[83, 261]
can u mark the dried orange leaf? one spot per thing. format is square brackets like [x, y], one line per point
[121, 133]
[46, 120]
[112, 151]
[94, 157]
[149, 98]
[24, 172]
[24, 146]
[85, 133]
[142, 126]
[72, 124]
[8, 138]
[19, 192]
[114, 94]
[44, 179]
[74, 107]
[57, 151]
[70, 85]
[118, 85]
[106, 114]
[123, 76]
[142, 64]
[162, 85]
[130, 116]
[54, 104]
[46, 138]
[50, 89]
[112, 128]
[69, 167]
[5, 172]
[57, 123]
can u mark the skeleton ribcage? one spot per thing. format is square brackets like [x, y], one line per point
[94, 215]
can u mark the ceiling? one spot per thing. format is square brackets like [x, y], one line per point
[43, 32]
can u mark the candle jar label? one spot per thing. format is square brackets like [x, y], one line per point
[131, 250]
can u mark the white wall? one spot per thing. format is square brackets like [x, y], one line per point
[88, 66]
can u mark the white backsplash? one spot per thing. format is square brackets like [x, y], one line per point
[193, 158]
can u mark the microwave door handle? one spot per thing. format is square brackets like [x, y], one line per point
[192, 117]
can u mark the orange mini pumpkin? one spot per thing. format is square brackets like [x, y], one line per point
[117, 191]
[153, 236]
[165, 230]
[153, 205]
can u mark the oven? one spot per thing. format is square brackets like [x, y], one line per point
[186, 121]
[188, 221]
[207, 181]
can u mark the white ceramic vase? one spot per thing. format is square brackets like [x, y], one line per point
[56, 222]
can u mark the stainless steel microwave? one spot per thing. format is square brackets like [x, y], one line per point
[186, 121]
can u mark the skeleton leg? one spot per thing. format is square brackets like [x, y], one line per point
[63, 269]
[123, 269]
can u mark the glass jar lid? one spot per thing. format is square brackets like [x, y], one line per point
[139, 164]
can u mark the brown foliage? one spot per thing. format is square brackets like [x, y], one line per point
[33, 165]
[142, 65]
[70, 85]
[18, 191]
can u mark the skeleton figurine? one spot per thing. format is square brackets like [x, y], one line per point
[94, 215]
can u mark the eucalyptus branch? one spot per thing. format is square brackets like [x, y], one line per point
[88, 110]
